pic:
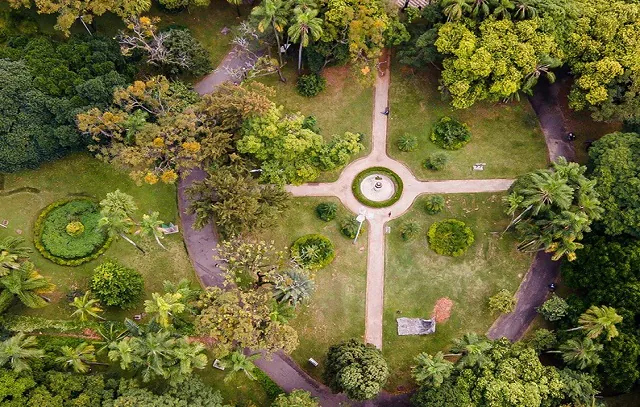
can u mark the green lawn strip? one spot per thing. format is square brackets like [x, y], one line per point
[416, 277]
[336, 309]
[506, 137]
[343, 106]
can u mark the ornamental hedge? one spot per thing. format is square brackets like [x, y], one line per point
[116, 285]
[397, 181]
[450, 134]
[67, 233]
[313, 251]
[450, 237]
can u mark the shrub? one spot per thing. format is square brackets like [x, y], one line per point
[74, 228]
[327, 211]
[181, 43]
[409, 230]
[313, 251]
[450, 237]
[407, 143]
[554, 309]
[349, 227]
[115, 285]
[310, 85]
[311, 123]
[542, 340]
[270, 387]
[434, 204]
[450, 134]
[436, 161]
[502, 301]
[297, 398]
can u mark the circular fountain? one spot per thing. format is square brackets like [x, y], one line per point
[377, 187]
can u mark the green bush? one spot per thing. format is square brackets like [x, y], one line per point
[407, 143]
[502, 301]
[554, 309]
[409, 230]
[436, 161]
[53, 240]
[434, 204]
[450, 134]
[310, 85]
[313, 251]
[74, 228]
[450, 237]
[115, 285]
[180, 42]
[327, 211]
[349, 227]
[270, 387]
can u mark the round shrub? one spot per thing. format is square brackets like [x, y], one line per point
[313, 251]
[407, 143]
[310, 85]
[434, 204]
[450, 237]
[503, 301]
[450, 134]
[67, 232]
[327, 211]
[349, 227]
[409, 230]
[116, 285]
[436, 161]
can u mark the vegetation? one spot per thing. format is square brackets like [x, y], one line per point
[436, 161]
[357, 191]
[503, 301]
[409, 231]
[116, 285]
[310, 85]
[450, 237]
[450, 134]
[327, 211]
[349, 227]
[297, 398]
[434, 204]
[554, 309]
[313, 251]
[407, 143]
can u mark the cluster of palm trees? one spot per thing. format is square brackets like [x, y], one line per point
[455, 10]
[289, 20]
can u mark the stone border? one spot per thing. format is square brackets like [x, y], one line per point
[397, 181]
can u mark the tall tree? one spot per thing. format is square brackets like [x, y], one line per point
[598, 320]
[273, 13]
[166, 307]
[580, 353]
[306, 27]
[18, 350]
[149, 227]
[12, 251]
[86, 307]
[78, 359]
[472, 348]
[25, 284]
[431, 370]
[238, 362]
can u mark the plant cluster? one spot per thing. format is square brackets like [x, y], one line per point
[450, 134]
[434, 204]
[310, 85]
[349, 227]
[327, 211]
[436, 161]
[313, 251]
[450, 237]
[407, 143]
[503, 301]
[116, 285]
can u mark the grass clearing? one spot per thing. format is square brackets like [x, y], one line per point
[416, 277]
[336, 309]
[507, 137]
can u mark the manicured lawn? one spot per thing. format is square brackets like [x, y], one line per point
[343, 106]
[506, 137]
[336, 310]
[416, 277]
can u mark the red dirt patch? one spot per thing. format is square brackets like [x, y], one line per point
[442, 309]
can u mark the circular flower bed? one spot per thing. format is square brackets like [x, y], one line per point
[357, 191]
[67, 232]
[450, 237]
[313, 251]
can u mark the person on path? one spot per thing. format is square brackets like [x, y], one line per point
[386, 111]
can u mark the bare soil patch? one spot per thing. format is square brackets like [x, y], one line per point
[442, 309]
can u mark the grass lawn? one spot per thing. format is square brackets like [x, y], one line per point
[506, 137]
[336, 310]
[343, 106]
[415, 277]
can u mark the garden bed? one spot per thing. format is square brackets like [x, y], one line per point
[357, 192]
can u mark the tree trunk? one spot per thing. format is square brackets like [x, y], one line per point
[85, 26]
[300, 58]
[158, 240]
[574, 329]
[278, 42]
[132, 242]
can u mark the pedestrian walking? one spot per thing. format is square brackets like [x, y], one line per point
[386, 111]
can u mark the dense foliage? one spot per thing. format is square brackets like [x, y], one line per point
[313, 251]
[434, 204]
[310, 85]
[407, 143]
[116, 285]
[356, 369]
[450, 134]
[554, 309]
[349, 227]
[327, 211]
[450, 237]
[436, 161]
[297, 398]
[503, 301]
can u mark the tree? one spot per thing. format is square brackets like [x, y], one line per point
[305, 28]
[431, 370]
[149, 227]
[619, 369]
[86, 307]
[614, 161]
[552, 209]
[272, 13]
[580, 353]
[472, 348]
[18, 350]
[115, 285]
[242, 319]
[12, 251]
[78, 358]
[25, 284]
[248, 263]
[554, 309]
[116, 210]
[598, 320]
[237, 362]
[165, 306]
[503, 301]
[236, 3]
[293, 286]
[358, 370]
[297, 398]
[454, 9]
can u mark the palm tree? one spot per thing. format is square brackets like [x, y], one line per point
[543, 67]
[86, 307]
[306, 27]
[183, 287]
[26, 284]
[431, 370]
[78, 358]
[503, 9]
[597, 320]
[117, 210]
[472, 348]
[580, 353]
[118, 224]
[18, 351]
[293, 286]
[524, 9]
[480, 7]
[12, 251]
[149, 227]
[238, 362]
[454, 9]
[271, 13]
[166, 306]
[109, 336]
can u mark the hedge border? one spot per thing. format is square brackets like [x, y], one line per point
[37, 237]
[295, 250]
[355, 187]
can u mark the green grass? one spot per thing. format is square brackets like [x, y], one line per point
[336, 309]
[506, 137]
[343, 106]
[416, 277]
